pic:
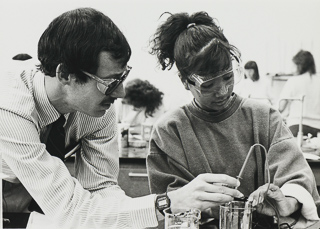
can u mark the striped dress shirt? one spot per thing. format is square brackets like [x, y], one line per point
[91, 199]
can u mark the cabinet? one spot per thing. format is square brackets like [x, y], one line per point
[133, 177]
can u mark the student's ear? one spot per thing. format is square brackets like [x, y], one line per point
[63, 77]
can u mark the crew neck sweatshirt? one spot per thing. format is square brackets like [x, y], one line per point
[190, 141]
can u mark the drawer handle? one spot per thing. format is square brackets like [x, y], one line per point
[138, 174]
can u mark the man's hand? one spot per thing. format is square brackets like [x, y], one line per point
[205, 191]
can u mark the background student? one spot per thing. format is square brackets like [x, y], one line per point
[142, 104]
[253, 86]
[305, 83]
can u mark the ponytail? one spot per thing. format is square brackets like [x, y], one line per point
[165, 38]
[190, 40]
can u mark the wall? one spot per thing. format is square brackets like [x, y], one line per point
[267, 31]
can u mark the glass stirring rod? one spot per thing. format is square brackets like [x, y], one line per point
[247, 158]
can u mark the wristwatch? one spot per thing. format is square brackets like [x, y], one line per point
[162, 202]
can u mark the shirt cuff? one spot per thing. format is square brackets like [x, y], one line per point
[309, 209]
[146, 215]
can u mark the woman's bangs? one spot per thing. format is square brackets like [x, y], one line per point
[211, 62]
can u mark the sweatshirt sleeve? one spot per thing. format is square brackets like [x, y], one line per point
[290, 170]
[166, 163]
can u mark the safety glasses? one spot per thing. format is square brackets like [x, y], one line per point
[108, 86]
[209, 84]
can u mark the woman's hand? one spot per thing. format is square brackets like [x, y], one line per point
[205, 191]
[274, 198]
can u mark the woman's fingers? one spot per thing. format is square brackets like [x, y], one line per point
[257, 197]
[270, 191]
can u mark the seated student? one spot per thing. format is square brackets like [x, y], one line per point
[253, 86]
[213, 134]
[142, 104]
[307, 83]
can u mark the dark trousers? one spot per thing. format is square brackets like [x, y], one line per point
[15, 220]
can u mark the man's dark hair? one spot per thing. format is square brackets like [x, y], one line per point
[75, 40]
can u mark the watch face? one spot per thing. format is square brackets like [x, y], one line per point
[162, 202]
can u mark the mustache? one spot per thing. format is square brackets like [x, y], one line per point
[108, 101]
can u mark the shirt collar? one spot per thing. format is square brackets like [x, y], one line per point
[215, 116]
[47, 113]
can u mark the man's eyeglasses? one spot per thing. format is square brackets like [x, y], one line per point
[108, 86]
[206, 84]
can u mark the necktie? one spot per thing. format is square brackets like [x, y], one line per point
[55, 145]
[56, 139]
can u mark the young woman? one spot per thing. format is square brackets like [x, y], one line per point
[214, 133]
[254, 86]
[305, 83]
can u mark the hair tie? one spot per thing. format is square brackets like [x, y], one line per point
[215, 41]
[191, 25]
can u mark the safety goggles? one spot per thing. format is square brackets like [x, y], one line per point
[224, 79]
[108, 86]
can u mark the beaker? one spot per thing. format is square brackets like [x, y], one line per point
[236, 215]
[182, 220]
